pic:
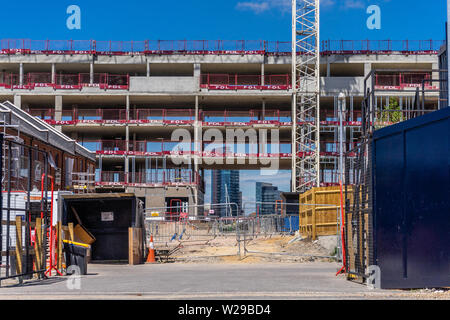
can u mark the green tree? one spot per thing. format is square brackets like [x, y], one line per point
[392, 113]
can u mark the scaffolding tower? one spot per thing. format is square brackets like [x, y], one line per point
[306, 94]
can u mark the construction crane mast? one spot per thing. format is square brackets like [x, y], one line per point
[306, 94]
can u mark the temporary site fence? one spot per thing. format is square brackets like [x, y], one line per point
[173, 230]
[25, 212]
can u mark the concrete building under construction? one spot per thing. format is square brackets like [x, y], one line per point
[125, 101]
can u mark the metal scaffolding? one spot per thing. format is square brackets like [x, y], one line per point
[306, 94]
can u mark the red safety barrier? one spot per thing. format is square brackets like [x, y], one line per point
[108, 116]
[236, 47]
[153, 177]
[245, 82]
[401, 81]
[111, 178]
[9, 80]
[65, 81]
[41, 79]
[381, 46]
[43, 114]
[166, 116]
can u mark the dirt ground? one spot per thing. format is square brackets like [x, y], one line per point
[257, 250]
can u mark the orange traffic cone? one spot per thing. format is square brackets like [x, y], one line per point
[151, 252]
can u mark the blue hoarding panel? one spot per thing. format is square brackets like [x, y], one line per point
[411, 202]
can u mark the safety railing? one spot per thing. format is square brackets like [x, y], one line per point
[380, 46]
[330, 117]
[164, 177]
[100, 115]
[390, 116]
[245, 150]
[9, 80]
[167, 116]
[209, 149]
[329, 177]
[64, 81]
[185, 117]
[150, 177]
[106, 147]
[245, 118]
[401, 81]
[245, 82]
[147, 47]
[332, 148]
[111, 178]
[43, 114]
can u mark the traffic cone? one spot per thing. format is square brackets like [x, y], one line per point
[151, 252]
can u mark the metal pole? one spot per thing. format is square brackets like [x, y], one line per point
[341, 135]
[8, 210]
[1, 196]
[27, 268]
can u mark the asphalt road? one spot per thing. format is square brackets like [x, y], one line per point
[202, 282]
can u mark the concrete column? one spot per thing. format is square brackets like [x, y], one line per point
[367, 70]
[263, 80]
[148, 68]
[58, 110]
[328, 69]
[21, 74]
[18, 101]
[53, 73]
[197, 75]
[263, 109]
[91, 72]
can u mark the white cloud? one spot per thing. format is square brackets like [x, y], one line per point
[260, 6]
[354, 4]
[253, 6]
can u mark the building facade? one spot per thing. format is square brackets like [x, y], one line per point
[225, 188]
[131, 102]
[267, 196]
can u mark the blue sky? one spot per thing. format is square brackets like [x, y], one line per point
[212, 19]
[226, 20]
